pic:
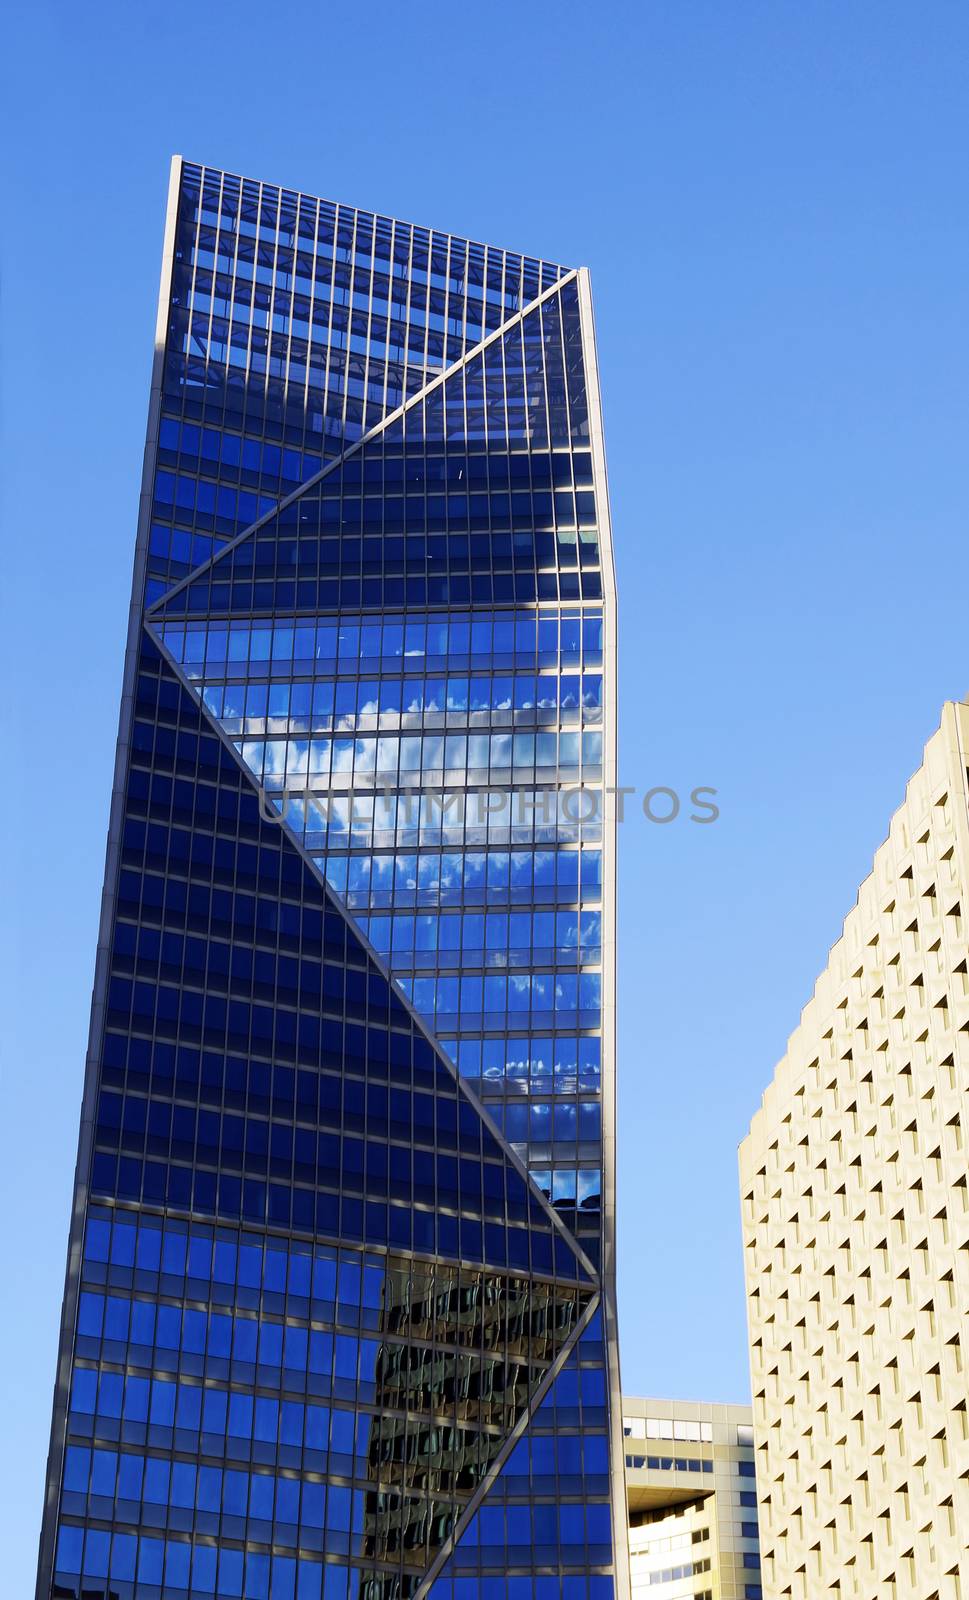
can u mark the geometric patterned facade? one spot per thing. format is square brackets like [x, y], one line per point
[339, 1317]
[856, 1231]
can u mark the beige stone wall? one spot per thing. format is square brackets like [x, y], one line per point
[856, 1231]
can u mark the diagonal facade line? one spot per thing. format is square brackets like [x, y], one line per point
[373, 433]
[405, 1000]
[521, 1426]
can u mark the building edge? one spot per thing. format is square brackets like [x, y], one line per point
[943, 773]
[955, 713]
[609, 877]
[58, 1429]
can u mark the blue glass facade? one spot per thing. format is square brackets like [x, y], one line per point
[340, 1316]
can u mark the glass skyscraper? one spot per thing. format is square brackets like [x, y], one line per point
[339, 1317]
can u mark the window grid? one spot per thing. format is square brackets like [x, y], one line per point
[256, 1068]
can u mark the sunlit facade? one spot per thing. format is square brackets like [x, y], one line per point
[856, 1230]
[692, 1501]
[339, 1316]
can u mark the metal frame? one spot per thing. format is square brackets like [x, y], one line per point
[609, 954]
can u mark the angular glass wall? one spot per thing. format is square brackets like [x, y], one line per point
[324, 1335]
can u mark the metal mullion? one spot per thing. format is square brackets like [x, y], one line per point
[260, 238]
[272, 311]
[504, 386]
[211, 316]
[307, 248]
[408, 289]
[289, 335]
[250, 302]
[531, 451]
[449, 294]
[234, 279]
[520, 282]
[383, 402]
[575, 504]
[365, 400]
[502, 256]
[390, 279]
[400, 361]
[568, 416]
[328, 357]
[530, 444]
[215, 274]
[432, 243]
[491, 443]
[572, 446]
[463, 369]
[370, 303]
[191, 304]
[410, 305]
[310, 340]
[195, 271]
[233, 270]
[247, 371]
[351, 270]
[491, 252]
[520, 295]
[251, 316]
[340, 212]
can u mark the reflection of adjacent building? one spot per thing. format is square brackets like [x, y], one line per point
[463, 1354]
[573, 1193]
[692, 1500]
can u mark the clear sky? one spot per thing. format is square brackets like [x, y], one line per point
[772, 198]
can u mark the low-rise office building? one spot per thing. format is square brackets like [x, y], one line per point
[692, 1501]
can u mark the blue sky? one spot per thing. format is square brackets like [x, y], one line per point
[772, 199]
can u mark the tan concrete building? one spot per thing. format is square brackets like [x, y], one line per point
[692, 1501]
[856, 1231]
